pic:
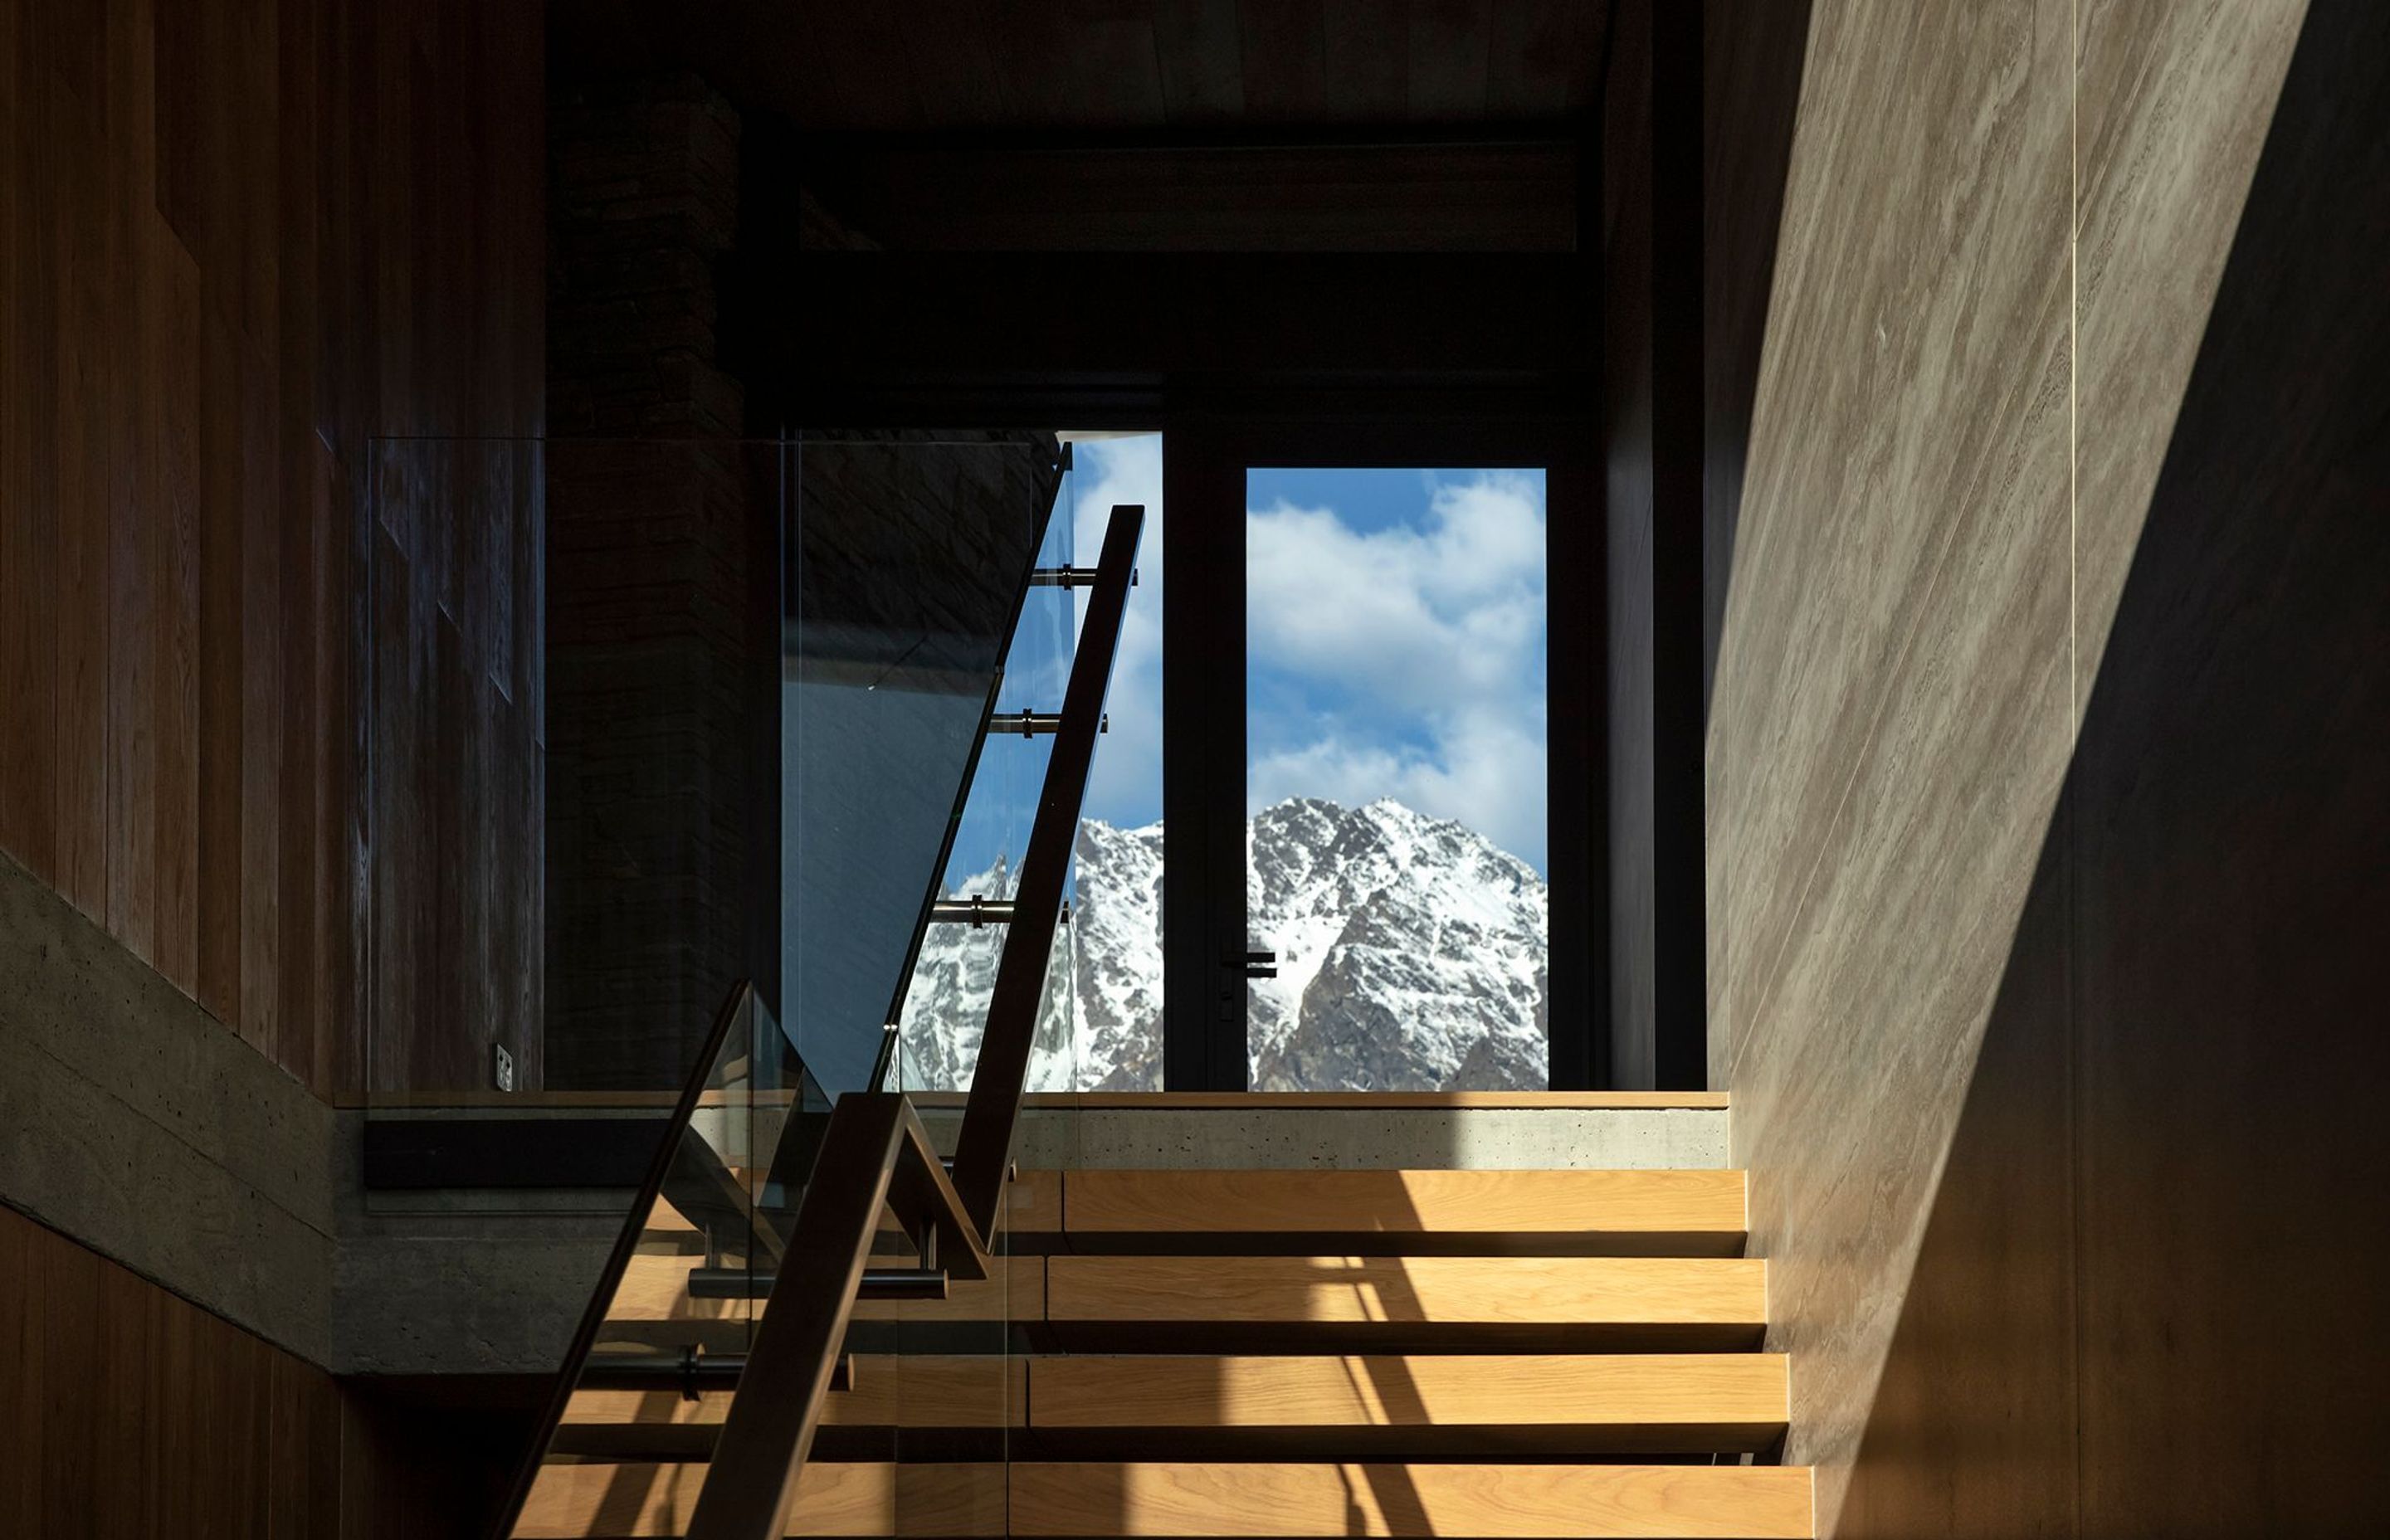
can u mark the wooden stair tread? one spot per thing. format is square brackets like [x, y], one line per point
[1390, 1303]
[959, 1391]
[1329, 1405]
[1542, 1213]
[655, 1288]
[632, 1500]
[1322, 1353]
[1082, 1498]
[1717, 1296]
[1685, 1401]
[1333, 1303]
[1493, 1502]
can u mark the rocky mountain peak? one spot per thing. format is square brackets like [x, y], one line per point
[1412, 956]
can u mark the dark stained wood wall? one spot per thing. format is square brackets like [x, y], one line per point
[127, 1410]
[238, 240]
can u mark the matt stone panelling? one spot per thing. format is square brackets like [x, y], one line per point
[236, 241]
[1930, 995]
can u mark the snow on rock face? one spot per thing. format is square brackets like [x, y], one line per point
[1412, 956]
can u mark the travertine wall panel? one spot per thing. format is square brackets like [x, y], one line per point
[1961, 416]
[1888, 722]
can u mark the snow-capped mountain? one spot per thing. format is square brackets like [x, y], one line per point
[1412, 956]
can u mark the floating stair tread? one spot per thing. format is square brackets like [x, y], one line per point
[596, 1500]
[1668, 1401]
[1648, 1212]
[1016, 1291]
[923, 1390]
[1491, 1502]
[655, 1289]
[1706, 1301]
[1318, 1406]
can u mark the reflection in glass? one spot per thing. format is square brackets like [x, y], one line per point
[906, 560]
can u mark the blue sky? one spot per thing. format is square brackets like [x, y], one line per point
[1395, 639]
[1395, 643]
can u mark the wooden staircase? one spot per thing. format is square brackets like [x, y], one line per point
[1260, 1352]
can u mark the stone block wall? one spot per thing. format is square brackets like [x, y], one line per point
[661, 524]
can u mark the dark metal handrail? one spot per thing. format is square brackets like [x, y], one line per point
[738, 1005]
[983, 1149]
[877, 1156]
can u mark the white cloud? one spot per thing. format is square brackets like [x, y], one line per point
[1436, 627]
[1429, 639]
[1484, 769]
[1420, 617]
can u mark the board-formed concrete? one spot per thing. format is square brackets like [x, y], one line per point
[467, 1282]
[137, 1123]
[1262, 1137]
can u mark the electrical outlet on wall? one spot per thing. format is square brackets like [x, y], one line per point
[502, 1067]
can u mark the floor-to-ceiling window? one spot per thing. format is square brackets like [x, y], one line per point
[1395, 779]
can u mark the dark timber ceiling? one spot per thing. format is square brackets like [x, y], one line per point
[1116, 65]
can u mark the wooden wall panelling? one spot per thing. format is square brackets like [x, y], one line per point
[20, 1412]
[172, 361]
[86, 322]
[127, 1410]
[221, 685]
[281, 451]
[63, 1313]
[130, 172]
[237, 240]
[28, 506]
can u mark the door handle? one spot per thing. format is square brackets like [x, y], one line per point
[1260, 965]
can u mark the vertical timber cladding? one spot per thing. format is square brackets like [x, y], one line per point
[131, 1410]
[236, 246]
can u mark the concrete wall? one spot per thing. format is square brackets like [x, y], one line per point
[1662, 1138]
[2046, 777]
[133, 1121]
